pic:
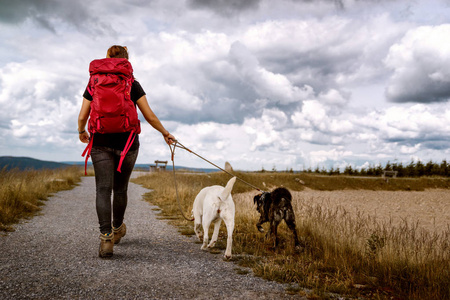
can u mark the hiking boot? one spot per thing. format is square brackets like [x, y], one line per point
[106, 245]
[119, 233]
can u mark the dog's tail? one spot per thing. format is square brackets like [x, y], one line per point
[227, 191]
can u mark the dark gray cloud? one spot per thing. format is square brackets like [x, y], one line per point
[18, 11]
[437, 145]
[232, 7]
[428, 142]
[225, 7]
[421, 90]
[342, 5]
[50, 14]
[423, 81]
[15, 11]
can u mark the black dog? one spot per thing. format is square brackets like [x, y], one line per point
[275, 207]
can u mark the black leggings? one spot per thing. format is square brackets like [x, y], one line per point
[108, 180]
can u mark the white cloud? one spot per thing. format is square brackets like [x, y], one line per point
[171, 99]
[322, 123]
[410, 150]
[416, 122]
[421, 64]
[263, 132]
[321, 156]
[333, 97]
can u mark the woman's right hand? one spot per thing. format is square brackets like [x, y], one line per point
[170, 139]
[84, 137]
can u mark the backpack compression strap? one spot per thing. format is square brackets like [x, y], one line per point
[124, 152]
[87, 152]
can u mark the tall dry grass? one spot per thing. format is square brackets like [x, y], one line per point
[22, 193]
[348, 254]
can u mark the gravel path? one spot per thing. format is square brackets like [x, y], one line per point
[55, 256]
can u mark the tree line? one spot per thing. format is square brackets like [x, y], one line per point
[413, 169]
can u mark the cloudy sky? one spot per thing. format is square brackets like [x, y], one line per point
[259, 83]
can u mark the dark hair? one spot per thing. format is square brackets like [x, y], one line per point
[117, 51]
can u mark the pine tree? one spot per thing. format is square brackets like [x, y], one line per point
[317, 170]
[388, 166]
[378, 170]
[444, 168]
[331, 172]
[420, 169]
[429, 168]
[400, 170]
[411, 169]
[348, 170]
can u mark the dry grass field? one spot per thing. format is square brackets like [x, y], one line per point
[364, 237]
[22, 192]
[429, 210]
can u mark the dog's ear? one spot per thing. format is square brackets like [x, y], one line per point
[256, 198]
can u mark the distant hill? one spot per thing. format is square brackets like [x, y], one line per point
[146, 167]
[24, 163]
[169, 168]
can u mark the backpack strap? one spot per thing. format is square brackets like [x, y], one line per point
[90, 90]
[124, 152]
[87, 152]
[90, 86]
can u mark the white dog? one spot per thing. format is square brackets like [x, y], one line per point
[212, 205]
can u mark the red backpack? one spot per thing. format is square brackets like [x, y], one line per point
[112, 110]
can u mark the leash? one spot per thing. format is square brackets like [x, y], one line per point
[172, 150]
[177, 144]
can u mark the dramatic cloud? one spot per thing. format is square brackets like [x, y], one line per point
[261, 84]
[421, 64]
[326, 53]
[275, 87]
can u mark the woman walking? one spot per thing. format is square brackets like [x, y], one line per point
[114, 154]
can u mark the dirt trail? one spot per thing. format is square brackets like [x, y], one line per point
[55, 255]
